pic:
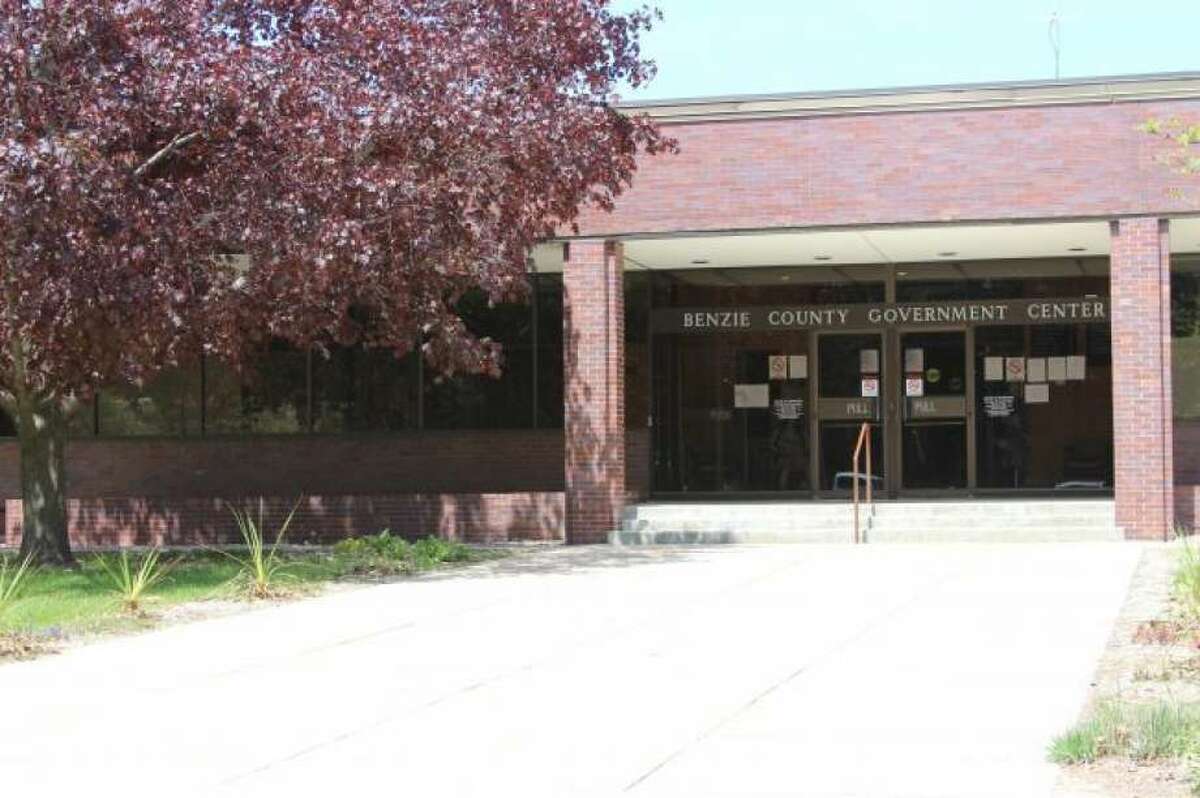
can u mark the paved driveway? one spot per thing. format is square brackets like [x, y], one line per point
[788, 670]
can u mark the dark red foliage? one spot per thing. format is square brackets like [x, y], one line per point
[374, 159]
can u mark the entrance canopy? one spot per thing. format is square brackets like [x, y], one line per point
[928, 250]
[980, 356]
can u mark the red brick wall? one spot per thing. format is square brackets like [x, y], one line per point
[475, 485]
[908, 167]
[594, 373]
[477, 518]
[1142, 409]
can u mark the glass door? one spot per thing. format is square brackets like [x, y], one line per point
[849, 392]
[933, 382]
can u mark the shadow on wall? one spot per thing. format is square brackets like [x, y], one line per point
[473, 518]
[1187, 497]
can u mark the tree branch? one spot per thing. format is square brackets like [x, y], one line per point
[177, 143]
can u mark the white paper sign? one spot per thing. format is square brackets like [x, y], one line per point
[914, 360]
[751, 395]
[777, 367]
[914, 386]
[993, 369]
[870, 387]
[788, 409]
[999, 406]
[868, 361]
[1014, 369]
[1035, 369]
[798, 367]
[1037, 393]
[1056, 369]
[1077, 367]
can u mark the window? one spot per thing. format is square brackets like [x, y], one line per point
[1185, 332]
[269, 398]
[169, 404]
[357, 389]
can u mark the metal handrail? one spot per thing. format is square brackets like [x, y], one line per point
[864, 440]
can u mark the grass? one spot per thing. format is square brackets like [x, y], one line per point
[82, 601]
[1142, 732]
[1186, 586]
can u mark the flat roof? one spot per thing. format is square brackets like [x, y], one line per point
[1066, 91]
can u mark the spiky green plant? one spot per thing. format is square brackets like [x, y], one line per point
[261, 566]
[1187, 581]
[13, 579]
[133, 581]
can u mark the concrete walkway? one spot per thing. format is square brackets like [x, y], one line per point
[742, 671]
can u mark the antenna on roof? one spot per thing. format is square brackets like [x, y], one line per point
[1056, 40]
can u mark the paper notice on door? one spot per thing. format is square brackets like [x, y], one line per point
[777, 367]
[868, 361]
[914, 386]
[1035, 369]
[914, 360]
[798, 367]
[1037, 393]
[788, 409]
[999, 406]
[1056, 369]
[993, 369]
[1014, 369]
[870, 387]
[1077, 367]
[748, 396]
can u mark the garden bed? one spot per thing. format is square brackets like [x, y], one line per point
[1140, 734]
[54, 608]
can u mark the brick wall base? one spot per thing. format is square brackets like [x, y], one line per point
[470, 517]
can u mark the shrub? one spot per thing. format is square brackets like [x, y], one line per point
[262, 565]
[132, 582]
[385, 554]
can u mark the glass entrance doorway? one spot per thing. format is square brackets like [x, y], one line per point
[849, 393]
[985, 378]
[933, 423]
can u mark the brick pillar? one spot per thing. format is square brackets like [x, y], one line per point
[594, 395]
[1141, 358]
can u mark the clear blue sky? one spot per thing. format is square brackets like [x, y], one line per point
[712, 47]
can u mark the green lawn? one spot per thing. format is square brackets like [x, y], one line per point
[54, 601]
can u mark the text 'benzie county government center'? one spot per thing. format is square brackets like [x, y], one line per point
[1002, 280]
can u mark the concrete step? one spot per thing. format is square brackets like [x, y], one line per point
[984, 520]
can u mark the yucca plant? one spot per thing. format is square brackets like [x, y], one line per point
[13, 579]
[132, 581]
[261, 566]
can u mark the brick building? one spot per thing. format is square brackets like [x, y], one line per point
[1003, 280]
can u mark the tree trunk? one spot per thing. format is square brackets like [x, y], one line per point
[41, 428]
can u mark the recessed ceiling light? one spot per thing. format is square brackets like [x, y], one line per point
[947, 254]
[700, 262]
[785, 277]
[1077, 249]
[822, 257]
[901, 274]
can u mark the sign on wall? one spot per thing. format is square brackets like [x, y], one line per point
[1067, 310]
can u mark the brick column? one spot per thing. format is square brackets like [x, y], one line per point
[594, 390]
[1141, 368]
